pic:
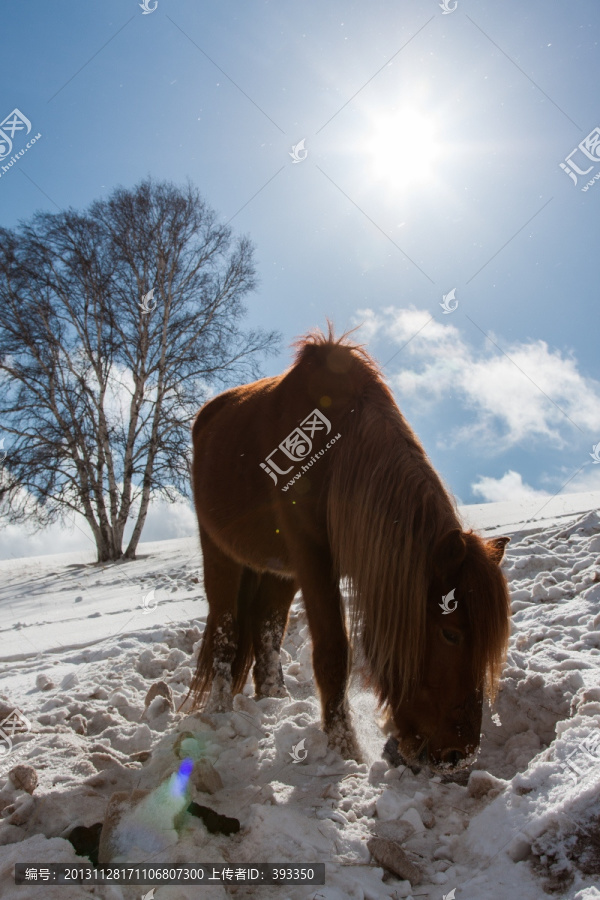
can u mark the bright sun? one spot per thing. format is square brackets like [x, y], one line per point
[403, 147]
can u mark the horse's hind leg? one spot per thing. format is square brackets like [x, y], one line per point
[269, 619]
[331, 647]
[225, 653]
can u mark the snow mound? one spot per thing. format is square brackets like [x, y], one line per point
[525, 823]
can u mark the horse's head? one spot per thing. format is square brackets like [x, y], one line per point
[466, 632]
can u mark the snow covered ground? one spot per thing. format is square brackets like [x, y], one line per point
[81, 645]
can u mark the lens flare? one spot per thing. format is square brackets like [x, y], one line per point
[179, 780]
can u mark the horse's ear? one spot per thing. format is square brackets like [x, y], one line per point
[449, 553]
[496, 548]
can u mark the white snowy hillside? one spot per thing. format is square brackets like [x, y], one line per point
[95, 660]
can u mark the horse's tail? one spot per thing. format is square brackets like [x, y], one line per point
[249, 584]
[244, 654]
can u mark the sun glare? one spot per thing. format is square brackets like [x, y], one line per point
[403, 147]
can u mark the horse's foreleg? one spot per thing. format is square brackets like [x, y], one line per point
[331, 648]
[220, 698]
[269, 620]
[214, 673]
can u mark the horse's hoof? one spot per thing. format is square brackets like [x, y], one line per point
[391, 753]
[220, 704]
[346, 745]
[351, 751]
[353, 754]
[276, 690]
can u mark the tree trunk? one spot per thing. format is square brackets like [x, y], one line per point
[108, 548]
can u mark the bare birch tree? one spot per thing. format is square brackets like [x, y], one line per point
[115, 324]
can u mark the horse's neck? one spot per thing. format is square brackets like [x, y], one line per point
[401, 450]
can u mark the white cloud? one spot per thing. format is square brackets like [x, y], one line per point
[19, 540]
[164, 521]
[169, 520]
[528, 391]
[509, 487]
[586, 480]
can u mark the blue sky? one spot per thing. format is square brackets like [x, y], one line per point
[430, 164]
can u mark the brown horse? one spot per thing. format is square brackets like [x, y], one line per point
[314, 476]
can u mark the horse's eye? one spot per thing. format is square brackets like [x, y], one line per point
[453, 637]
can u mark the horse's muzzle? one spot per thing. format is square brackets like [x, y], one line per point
[450, 760]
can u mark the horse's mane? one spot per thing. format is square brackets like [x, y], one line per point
[387, 509]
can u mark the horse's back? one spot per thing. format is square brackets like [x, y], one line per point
[235, 436]
[216, 413]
